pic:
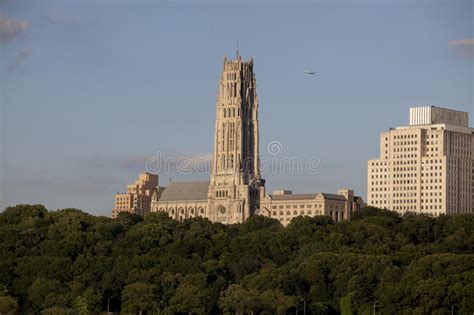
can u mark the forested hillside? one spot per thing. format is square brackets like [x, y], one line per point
[58, 262]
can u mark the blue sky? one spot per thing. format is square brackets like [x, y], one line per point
[91, 89]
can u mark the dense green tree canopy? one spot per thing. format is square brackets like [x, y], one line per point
[69, 262]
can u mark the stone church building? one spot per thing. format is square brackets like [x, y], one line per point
[236, 190]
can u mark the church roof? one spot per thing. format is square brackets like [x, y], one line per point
[358, 198]
[293, 196]
[333, 196]
[307, 196]
[185, 191]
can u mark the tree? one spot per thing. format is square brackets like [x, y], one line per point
[88, 302]
[54, 261]
[8, 305]
[43, 293]
[346, 305]
[139, 297]
[276, 302]
[191, 296]
[129, 219]
[56, 311]
[237, 300]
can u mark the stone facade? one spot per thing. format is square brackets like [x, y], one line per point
[236, 185]
[137, 199]
[427, 166]
[183, 200]
[236, 190]
[283, 205]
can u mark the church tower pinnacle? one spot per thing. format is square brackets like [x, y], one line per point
[236, 185]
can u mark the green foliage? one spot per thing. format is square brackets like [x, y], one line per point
[138, 297]
[238, 300]
[43, 293]
[346, 304]
[190, 296]
[8, 305]
[88, 302]
[56, 311]
[68, 261]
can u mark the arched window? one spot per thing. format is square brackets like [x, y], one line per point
[181, 210]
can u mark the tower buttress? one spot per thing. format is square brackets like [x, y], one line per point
[235, 171]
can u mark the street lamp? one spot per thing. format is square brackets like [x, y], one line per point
[452, 308]
[304, 305]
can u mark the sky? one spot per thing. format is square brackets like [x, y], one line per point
[92, 91]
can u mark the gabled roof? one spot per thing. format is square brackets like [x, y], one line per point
[185, 191]
[334, 196]
[307, 196]
[358, 198]
[293, 196]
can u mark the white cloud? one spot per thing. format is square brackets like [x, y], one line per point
[462, 42]
[464, 47]
[11, 28]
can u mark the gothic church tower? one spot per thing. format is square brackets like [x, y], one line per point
[236, 186]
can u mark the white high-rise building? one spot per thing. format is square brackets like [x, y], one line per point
[427, 166]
